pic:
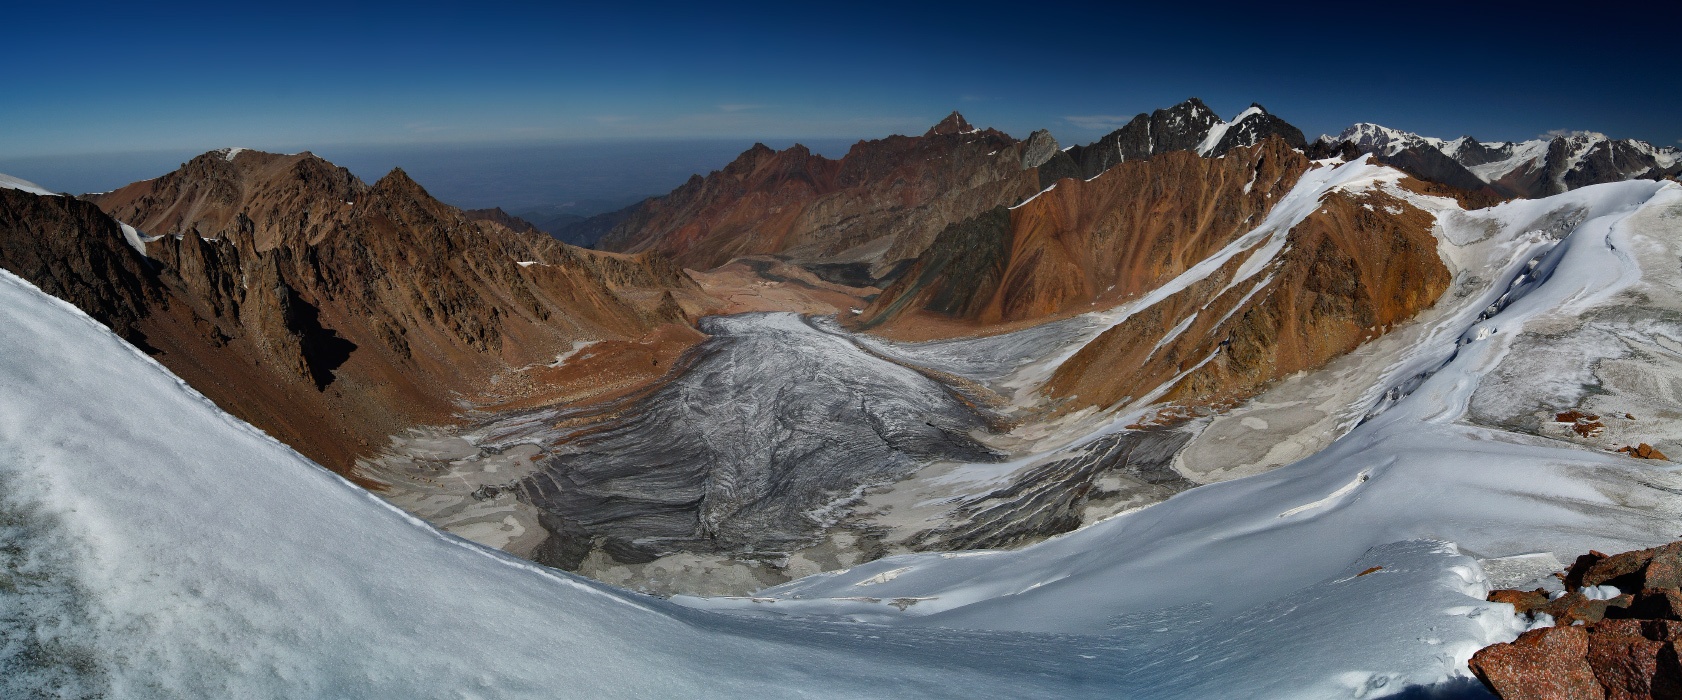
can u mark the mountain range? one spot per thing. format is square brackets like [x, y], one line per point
[951, 381]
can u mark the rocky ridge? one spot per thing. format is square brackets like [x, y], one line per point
[881, 202]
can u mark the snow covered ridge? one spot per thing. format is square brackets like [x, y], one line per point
[1218, 131]
[8, 182]
[197, 557]
[1549, 164]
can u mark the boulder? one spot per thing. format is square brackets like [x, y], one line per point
[1654, 604]
[1659, 567]
[1545, 664]
[1575, 607]
[1523, 602]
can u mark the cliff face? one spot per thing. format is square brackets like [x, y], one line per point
[326, 311]
[884, 201]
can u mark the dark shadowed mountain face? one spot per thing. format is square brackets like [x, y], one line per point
[1188, 126]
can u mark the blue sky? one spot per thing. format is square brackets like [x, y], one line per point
[90, 78]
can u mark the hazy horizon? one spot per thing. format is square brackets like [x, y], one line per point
[599, 175]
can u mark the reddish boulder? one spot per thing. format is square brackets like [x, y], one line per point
[1574, 574]
[1627, 645]
[1575, 607]
[1545, 664]
[1625, 665]
[1659, 567]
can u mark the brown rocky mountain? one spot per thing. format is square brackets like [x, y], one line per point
[883, 201]
[886, 199]
[329, 312]
[1358, 265]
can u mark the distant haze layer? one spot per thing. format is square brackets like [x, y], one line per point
[591, 176]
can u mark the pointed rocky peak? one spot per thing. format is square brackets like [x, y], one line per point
[398, 181]
[954, 123]
[399, 190]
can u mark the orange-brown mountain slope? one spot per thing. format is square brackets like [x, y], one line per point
[884, 201]
[326, 311]
[1360, 264]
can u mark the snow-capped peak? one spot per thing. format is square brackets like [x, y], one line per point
[229, 153]
[1378, 138]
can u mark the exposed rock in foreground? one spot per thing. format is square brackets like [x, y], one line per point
[1603, 643]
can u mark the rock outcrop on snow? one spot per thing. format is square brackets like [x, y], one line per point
[1600, 642]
